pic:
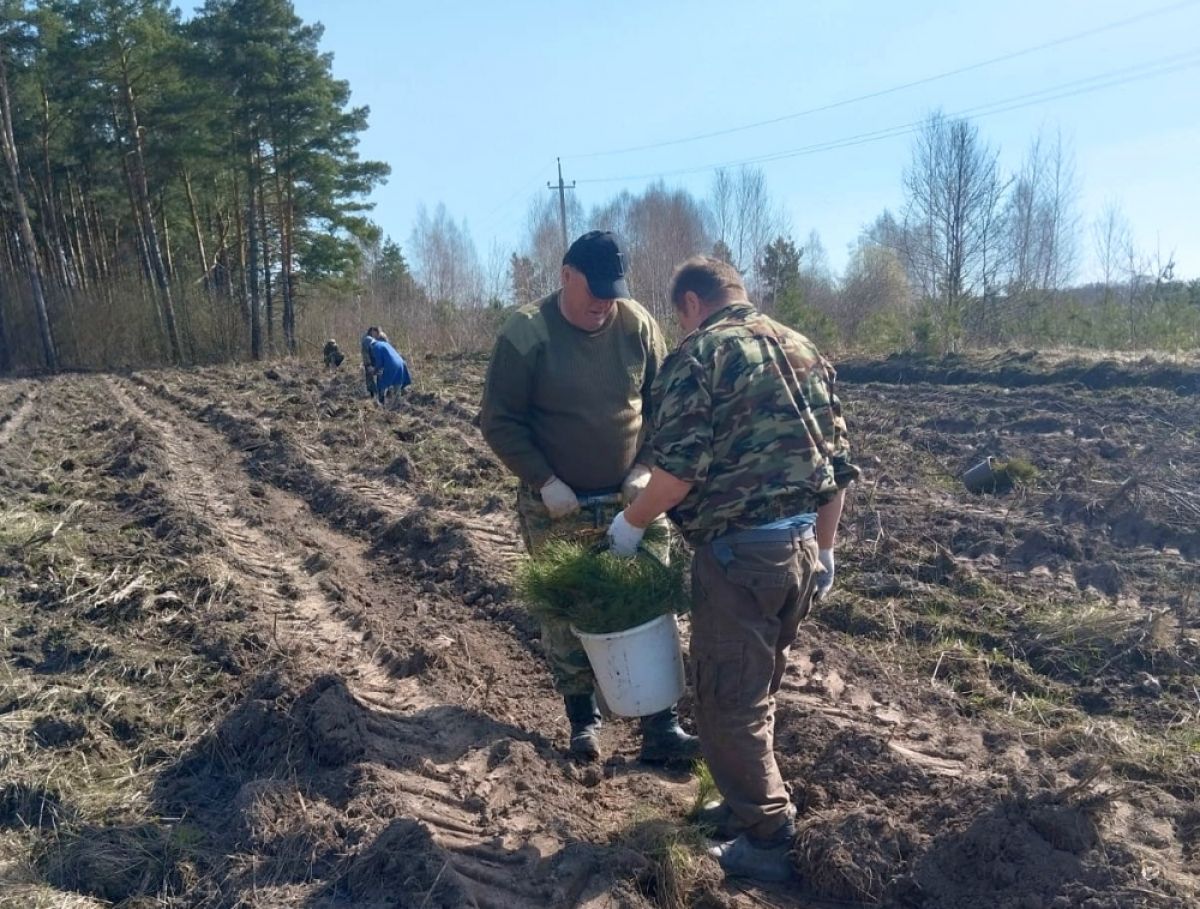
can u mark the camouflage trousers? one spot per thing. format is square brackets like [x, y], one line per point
[568, 662]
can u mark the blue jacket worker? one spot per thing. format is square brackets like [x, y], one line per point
[390, 369]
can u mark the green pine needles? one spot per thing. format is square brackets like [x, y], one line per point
[598, 592]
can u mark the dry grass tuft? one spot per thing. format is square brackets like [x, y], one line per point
[852, 855]
[1085, 641]
[678, 871]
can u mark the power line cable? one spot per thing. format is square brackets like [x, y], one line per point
[1111, 79]
[1057, 42]
[524, 189]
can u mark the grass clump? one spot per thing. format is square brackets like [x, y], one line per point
[676, 874]
[706, 790]
[599, 592]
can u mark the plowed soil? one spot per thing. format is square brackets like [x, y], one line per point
[261, 650]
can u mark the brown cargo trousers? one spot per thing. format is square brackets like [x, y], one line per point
[568, 662]
[747, 601]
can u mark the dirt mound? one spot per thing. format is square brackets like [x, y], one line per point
[1024, 852]
[1022, 370]
[275, 729]
[404, 868]
[854, 764]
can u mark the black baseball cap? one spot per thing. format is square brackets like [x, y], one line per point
[599, 256]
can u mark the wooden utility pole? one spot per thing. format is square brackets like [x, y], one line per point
[562, 202]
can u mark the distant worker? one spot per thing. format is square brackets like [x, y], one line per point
[368, 363]
[333, 355]
[391, 372]
[566, 405]
[751, 461]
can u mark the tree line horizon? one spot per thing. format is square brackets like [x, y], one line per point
[189, 191]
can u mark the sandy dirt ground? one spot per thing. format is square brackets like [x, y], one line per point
[261, 650]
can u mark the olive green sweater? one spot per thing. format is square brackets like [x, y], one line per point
[563, 402]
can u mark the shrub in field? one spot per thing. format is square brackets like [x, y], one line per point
[598, 592]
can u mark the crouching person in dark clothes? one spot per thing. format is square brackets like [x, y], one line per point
[751, 460]
[332, 354]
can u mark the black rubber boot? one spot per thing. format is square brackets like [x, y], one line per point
[743, 857]
[665, 742]
[585, 726]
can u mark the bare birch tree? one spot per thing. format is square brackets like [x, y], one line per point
[444, 257]
[1110, 238]
[743, 217]
[1042, 225]
[951, 197]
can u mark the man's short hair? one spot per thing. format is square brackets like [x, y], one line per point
[373, 330]
[712, 280]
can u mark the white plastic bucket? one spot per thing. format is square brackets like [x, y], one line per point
[639, 671]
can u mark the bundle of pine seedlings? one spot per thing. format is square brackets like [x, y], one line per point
[598, 592]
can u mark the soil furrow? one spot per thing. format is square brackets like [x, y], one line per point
[494, 538]
[12, 421]
[279, 541]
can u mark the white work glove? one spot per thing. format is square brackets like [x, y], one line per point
[559, 498]
[825, 579]
[635, 481]
[623, 537]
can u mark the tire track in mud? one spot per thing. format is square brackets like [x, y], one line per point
[459, 801]
[484, 550]
[260, 561]
[12, 421]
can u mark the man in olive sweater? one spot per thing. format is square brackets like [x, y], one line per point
[566, 406]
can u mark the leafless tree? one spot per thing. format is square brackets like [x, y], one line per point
[1111, 237]
[444, 257]
[1042, 225]
[952, 194]
[543, 243]
[496, 284]
[743, 217]
[817, 285]
[660, 228]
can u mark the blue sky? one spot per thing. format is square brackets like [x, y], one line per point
[471, 102]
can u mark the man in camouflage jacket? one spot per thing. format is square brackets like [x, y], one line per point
[751, 460]
[565, 406]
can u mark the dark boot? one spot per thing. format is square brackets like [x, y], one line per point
[745, 857]
[585, 726]
[665, 742]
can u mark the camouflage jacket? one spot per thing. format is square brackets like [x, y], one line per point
[746, 412]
